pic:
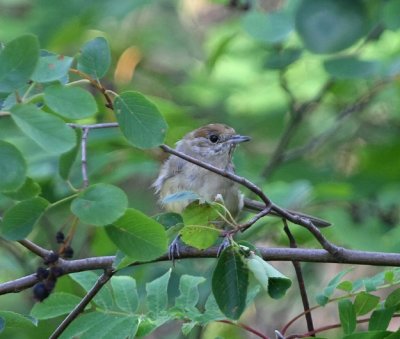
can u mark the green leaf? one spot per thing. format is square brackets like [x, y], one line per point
[2, 324]
[365, 303]
[271, 28]
[321, 299]
[70, 102]
[390, 15]
[100, 204]
[16, 321]
[168, 219]
[328, 291]
[220, 49]
[370, 335]
[257, 267]
[380, 319]
[47, 130]
[12, 167]
[95, 58]
[140, 237]
[212, 311]
[346, 286]
[51, 68]
[97, 325]
[278, 284]
[188, 286]
[67, 159]
[56, 304]
[19, 220]
[29, 189]
[347, 316]
[393, 299]
[18, 60]
[125, 293]
[157, 294]
[87, 280]
[229, 283]
[199, 230]
[188, 327]
[331, 25]
[147, 325]
[282, 58]
[351, 68]
[140, 120]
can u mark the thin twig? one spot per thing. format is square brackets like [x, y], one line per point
[245, 327]
[34, 248]
[84, 158]
[103, 279]
[300, 281]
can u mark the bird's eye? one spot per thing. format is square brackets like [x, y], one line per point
[214, 138]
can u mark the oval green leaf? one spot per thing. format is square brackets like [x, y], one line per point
[331, 25]
[19, 220]
[229, 283]
[140, 237]
[351, 68]
[271, 28]
[29, 189]
[347, 316]
[70, 102]
[47, 130]
[18, 60]
[140, 120]
[51, 68]
[95, 58]
[100, 204]
[365, 303]
[12, 167]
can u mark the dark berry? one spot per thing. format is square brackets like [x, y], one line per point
[40, 291]
[60, 237]
[68, 252]
[42, 273]
[56, 272]
[51, 258]
[50, 284]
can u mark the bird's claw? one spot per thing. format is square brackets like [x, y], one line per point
[224, 244]
[173, 250]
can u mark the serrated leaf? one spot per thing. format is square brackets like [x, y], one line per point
[332, 25]
[230, 282]
[19, 220]
[365, 303]
[125, 293]
[70, 102]
[140, 120]
[380, 319]
[100, 204]
[95, 58]
[18, 60]
[157, 294]
[12, 167]
[87, 280]
[67, 159]
[97, 325]
[140, 237]
[29, 189]
[188, 287]
[347, 316]
[51, 68]
[56, 304]
[47, 130]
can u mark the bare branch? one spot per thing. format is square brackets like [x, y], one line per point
[41, 252]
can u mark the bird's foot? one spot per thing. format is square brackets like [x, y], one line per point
[173, 249]
[225, 243]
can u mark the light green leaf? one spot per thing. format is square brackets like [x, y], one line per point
[365, 303]
[125, 293]
[347, 316]
[87, 280]
[18, 60]
[29, 189]
[70, 102]
[138, 236]
[230, 282]
[100, 204]
[47, 130]
[332, 25]
[271, 28]
[51, 68]
[390, 16]
[19, 220]
[56, 304]
[335, 281]
[140, 120]
[157, 295]
[258, 269]
[95, 58]
[188, 286]
[199, 236]
[12, 167]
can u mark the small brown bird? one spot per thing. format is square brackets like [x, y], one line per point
[214, 144]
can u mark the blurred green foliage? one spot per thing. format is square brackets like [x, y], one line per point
[315, 83]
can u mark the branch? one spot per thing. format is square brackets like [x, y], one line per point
[41, 252]
[84, 159]
[270, 254]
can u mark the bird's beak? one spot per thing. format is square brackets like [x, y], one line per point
[237, 139]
